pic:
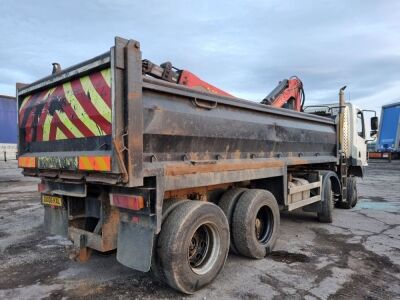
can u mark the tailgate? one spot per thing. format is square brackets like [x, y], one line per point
[65, 120]
[80, 108]
[86, 122]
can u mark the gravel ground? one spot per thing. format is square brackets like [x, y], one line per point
[356, 257]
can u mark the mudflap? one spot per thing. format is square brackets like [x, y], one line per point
[135, 243]
[56, 220]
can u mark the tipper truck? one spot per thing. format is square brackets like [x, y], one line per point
[172, 177]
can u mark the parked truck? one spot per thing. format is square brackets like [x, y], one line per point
[8, 125]
[173, 177]
[388, 141]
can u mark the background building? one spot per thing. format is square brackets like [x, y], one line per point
[8, 127]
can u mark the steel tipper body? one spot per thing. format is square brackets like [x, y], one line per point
[138, 164]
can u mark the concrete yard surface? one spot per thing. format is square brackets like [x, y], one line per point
[355, 257]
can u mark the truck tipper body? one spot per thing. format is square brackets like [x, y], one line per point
[170, 176]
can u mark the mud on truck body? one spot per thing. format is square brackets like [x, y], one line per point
[170, 177]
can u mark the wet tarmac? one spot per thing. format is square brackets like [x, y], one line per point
[355, 257]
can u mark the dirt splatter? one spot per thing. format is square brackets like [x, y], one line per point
[288, 257]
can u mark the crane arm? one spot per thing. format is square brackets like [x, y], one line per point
[289, 93]
[183, 77]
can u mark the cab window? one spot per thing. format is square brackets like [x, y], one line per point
[360, 124]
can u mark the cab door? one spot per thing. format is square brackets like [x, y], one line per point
[360, 147]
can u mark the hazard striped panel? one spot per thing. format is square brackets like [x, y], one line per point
[27, 162]
[95, 163]
[79, 108]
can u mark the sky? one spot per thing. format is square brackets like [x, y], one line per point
[243, 47]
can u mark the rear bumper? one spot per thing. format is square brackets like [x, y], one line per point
[90, 222]
[87, 222]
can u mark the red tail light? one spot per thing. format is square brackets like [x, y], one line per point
[132, 202]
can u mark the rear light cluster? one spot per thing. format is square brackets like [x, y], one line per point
[131, 202]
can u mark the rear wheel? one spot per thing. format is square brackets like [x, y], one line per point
[228, 203]
[255, 223]
[193, 245]
[168, 206]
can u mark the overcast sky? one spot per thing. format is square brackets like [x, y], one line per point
[244, 47]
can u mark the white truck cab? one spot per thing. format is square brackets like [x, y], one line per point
[354, 145]
[354, 130]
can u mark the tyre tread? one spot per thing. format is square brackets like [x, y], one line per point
[244, 212]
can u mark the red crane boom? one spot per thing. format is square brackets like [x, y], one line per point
[288, 94]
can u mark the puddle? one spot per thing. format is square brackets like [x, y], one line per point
[383, 206]
[373, 199]
[288, 258]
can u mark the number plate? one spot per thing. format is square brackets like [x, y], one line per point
[52, 200]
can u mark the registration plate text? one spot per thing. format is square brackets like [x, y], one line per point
[52, 200]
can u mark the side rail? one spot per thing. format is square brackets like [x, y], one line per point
[299, 193]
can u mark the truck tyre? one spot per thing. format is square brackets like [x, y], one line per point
[325, 213]
[227, 203]
[168, 206]
[351, 196]
[255, 223]
[193, 245]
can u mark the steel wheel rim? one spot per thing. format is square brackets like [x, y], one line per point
[204, 248]
[264, 224]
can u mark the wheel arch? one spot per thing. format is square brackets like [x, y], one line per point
[357, 171]
[335, 181]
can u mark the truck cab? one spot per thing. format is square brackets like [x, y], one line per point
[354, 131]
[355, 146]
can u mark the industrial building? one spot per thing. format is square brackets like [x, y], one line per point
[8, 127]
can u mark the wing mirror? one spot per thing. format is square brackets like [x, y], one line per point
[374, 123]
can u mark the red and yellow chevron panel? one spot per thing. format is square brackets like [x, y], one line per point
[26, 162]
[95, 163]
[79, 108]
[85, 163]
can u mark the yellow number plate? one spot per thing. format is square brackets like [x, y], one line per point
[52, 200]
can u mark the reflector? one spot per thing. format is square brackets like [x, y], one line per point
[95, 163]
[27, 162]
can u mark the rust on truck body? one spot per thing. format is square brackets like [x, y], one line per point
[194, 167]
[165, 141]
